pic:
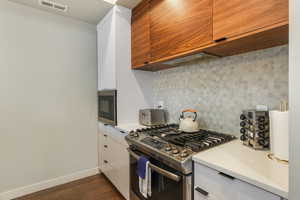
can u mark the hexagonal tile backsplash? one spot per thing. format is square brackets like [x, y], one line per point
[220, 88]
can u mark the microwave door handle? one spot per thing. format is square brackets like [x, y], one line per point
[159, 170]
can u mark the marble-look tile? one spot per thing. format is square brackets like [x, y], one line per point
[221, 88]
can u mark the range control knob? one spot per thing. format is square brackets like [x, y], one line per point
[175, 151]
[242, 117]
[243, 130]
[261, 134]
[261, 127]
[168, 148]
[261, 119]
[133, 134]
[243, 124]
[243, 137]
[262, 142]
[184, 155]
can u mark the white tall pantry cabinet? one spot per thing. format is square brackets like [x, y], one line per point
[113, 156]
[106, 52]
[134, 88]
[134, 92]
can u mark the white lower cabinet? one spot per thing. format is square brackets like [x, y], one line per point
[114, 158]
[213, 185]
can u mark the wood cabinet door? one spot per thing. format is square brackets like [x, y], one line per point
[235, 17]
[140, 35]
[179, 26]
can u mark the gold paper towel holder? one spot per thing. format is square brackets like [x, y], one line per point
[272, 157]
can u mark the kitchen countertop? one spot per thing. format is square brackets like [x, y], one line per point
[129, 126]
[248, 165]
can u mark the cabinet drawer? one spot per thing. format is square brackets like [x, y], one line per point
[110, 172]
[219, 186]
[116, 135]
[109, 151]
[104, 138]
[245, 191]
[115, 153]
[210, 181]
[103, 134]
[101, 141]
[116, 157]
[112, 133]
[121, 162]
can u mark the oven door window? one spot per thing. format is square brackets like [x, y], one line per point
[162, 187]
[107, 107]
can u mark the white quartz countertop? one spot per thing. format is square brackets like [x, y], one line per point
[129, 126]
[248, 165]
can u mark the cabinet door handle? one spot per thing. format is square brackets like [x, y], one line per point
[105, 146]
[105, 161]
[201, 191]
[105, 135]
[226, 175]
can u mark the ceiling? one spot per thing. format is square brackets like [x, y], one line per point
[90, 11]
[128, 3]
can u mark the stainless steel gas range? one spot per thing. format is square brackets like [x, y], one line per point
[170, 153]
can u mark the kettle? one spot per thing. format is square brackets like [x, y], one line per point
[188, 123]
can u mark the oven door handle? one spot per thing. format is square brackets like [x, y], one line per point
[159, 170]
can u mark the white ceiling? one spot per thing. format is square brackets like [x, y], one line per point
[128, 3]
[90, 11]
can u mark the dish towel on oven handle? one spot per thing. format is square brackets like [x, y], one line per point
[144, 173]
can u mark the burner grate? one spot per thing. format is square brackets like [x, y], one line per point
[198, 141]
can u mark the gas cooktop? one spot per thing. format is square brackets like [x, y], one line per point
[167, 143]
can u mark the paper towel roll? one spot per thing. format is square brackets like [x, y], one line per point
[279, 134]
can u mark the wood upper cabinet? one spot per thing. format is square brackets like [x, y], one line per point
[163, 30]
[235, 17]
[179, 26]
[140, 35]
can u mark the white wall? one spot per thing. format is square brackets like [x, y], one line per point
[48, 96]
[294, 99]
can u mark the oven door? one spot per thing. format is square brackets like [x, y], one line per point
[167, 183]
[107, 107]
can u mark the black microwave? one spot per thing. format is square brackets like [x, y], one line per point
[107, 106]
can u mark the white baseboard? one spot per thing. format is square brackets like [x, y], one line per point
[18, 192]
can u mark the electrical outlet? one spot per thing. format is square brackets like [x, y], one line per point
[160, 105]
[262, 108]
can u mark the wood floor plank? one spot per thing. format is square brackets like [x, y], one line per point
[95, 187]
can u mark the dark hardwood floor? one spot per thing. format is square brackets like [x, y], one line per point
[92, 188]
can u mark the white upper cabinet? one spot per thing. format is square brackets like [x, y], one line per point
[106, 52]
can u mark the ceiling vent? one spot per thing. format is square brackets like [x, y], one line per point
[53, 5]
